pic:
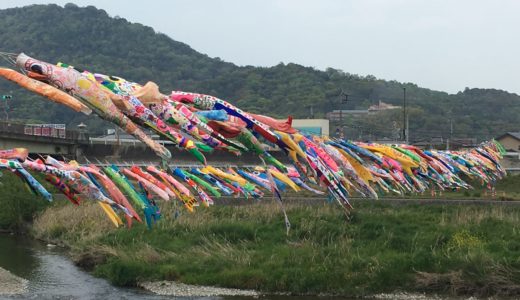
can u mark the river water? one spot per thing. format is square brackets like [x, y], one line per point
[52, 275]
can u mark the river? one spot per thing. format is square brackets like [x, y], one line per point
[52, 275]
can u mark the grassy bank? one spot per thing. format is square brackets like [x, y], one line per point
[507, 188]
[381, 248]
[18, 204]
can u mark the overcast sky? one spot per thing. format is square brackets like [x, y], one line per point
[439, 44]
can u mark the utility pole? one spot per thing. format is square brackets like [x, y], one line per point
[311, 111]
[405, 135]
[451, 134]
[341, 109]
[6, 105]
[407, 128]
[117, 149]
[451, 128]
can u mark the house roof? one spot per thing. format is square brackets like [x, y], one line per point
[515, 135]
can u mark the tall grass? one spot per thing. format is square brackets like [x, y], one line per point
[507, 188]
[379, 248]
[17, 203]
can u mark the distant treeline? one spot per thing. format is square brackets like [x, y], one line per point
[89, 38]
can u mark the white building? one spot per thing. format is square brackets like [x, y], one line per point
[312, 126]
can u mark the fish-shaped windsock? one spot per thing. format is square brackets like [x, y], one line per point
[45, 90]
[212, 103]
[19, 154]
[87, 90]
[135, 109]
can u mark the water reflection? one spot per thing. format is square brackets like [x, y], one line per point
[17, 255]
[52, 275]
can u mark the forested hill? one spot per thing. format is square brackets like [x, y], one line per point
[89, 38]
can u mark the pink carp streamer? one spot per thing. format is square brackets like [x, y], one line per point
[84, 88]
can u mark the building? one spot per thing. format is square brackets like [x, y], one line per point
[337, 115]
[381, 106]
[510, 141]
[312, 126]
[510, 160]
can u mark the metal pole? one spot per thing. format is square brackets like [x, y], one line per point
[6, 106]
[342, 126]
[451, 134]
[118, 142]
[405, 137]
[407, 126]
[6, 110]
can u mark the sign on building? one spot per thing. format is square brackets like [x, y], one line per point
[50, 130]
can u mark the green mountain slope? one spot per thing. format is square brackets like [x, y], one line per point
[89, 38]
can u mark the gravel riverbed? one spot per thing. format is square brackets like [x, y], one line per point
[177, 289]
[11, 284]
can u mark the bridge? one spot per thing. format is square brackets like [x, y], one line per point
[45, 140]
[119, 148]
[125, 150]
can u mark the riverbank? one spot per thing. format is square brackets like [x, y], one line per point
[11, 284]
[380, 248]
[177, 289]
